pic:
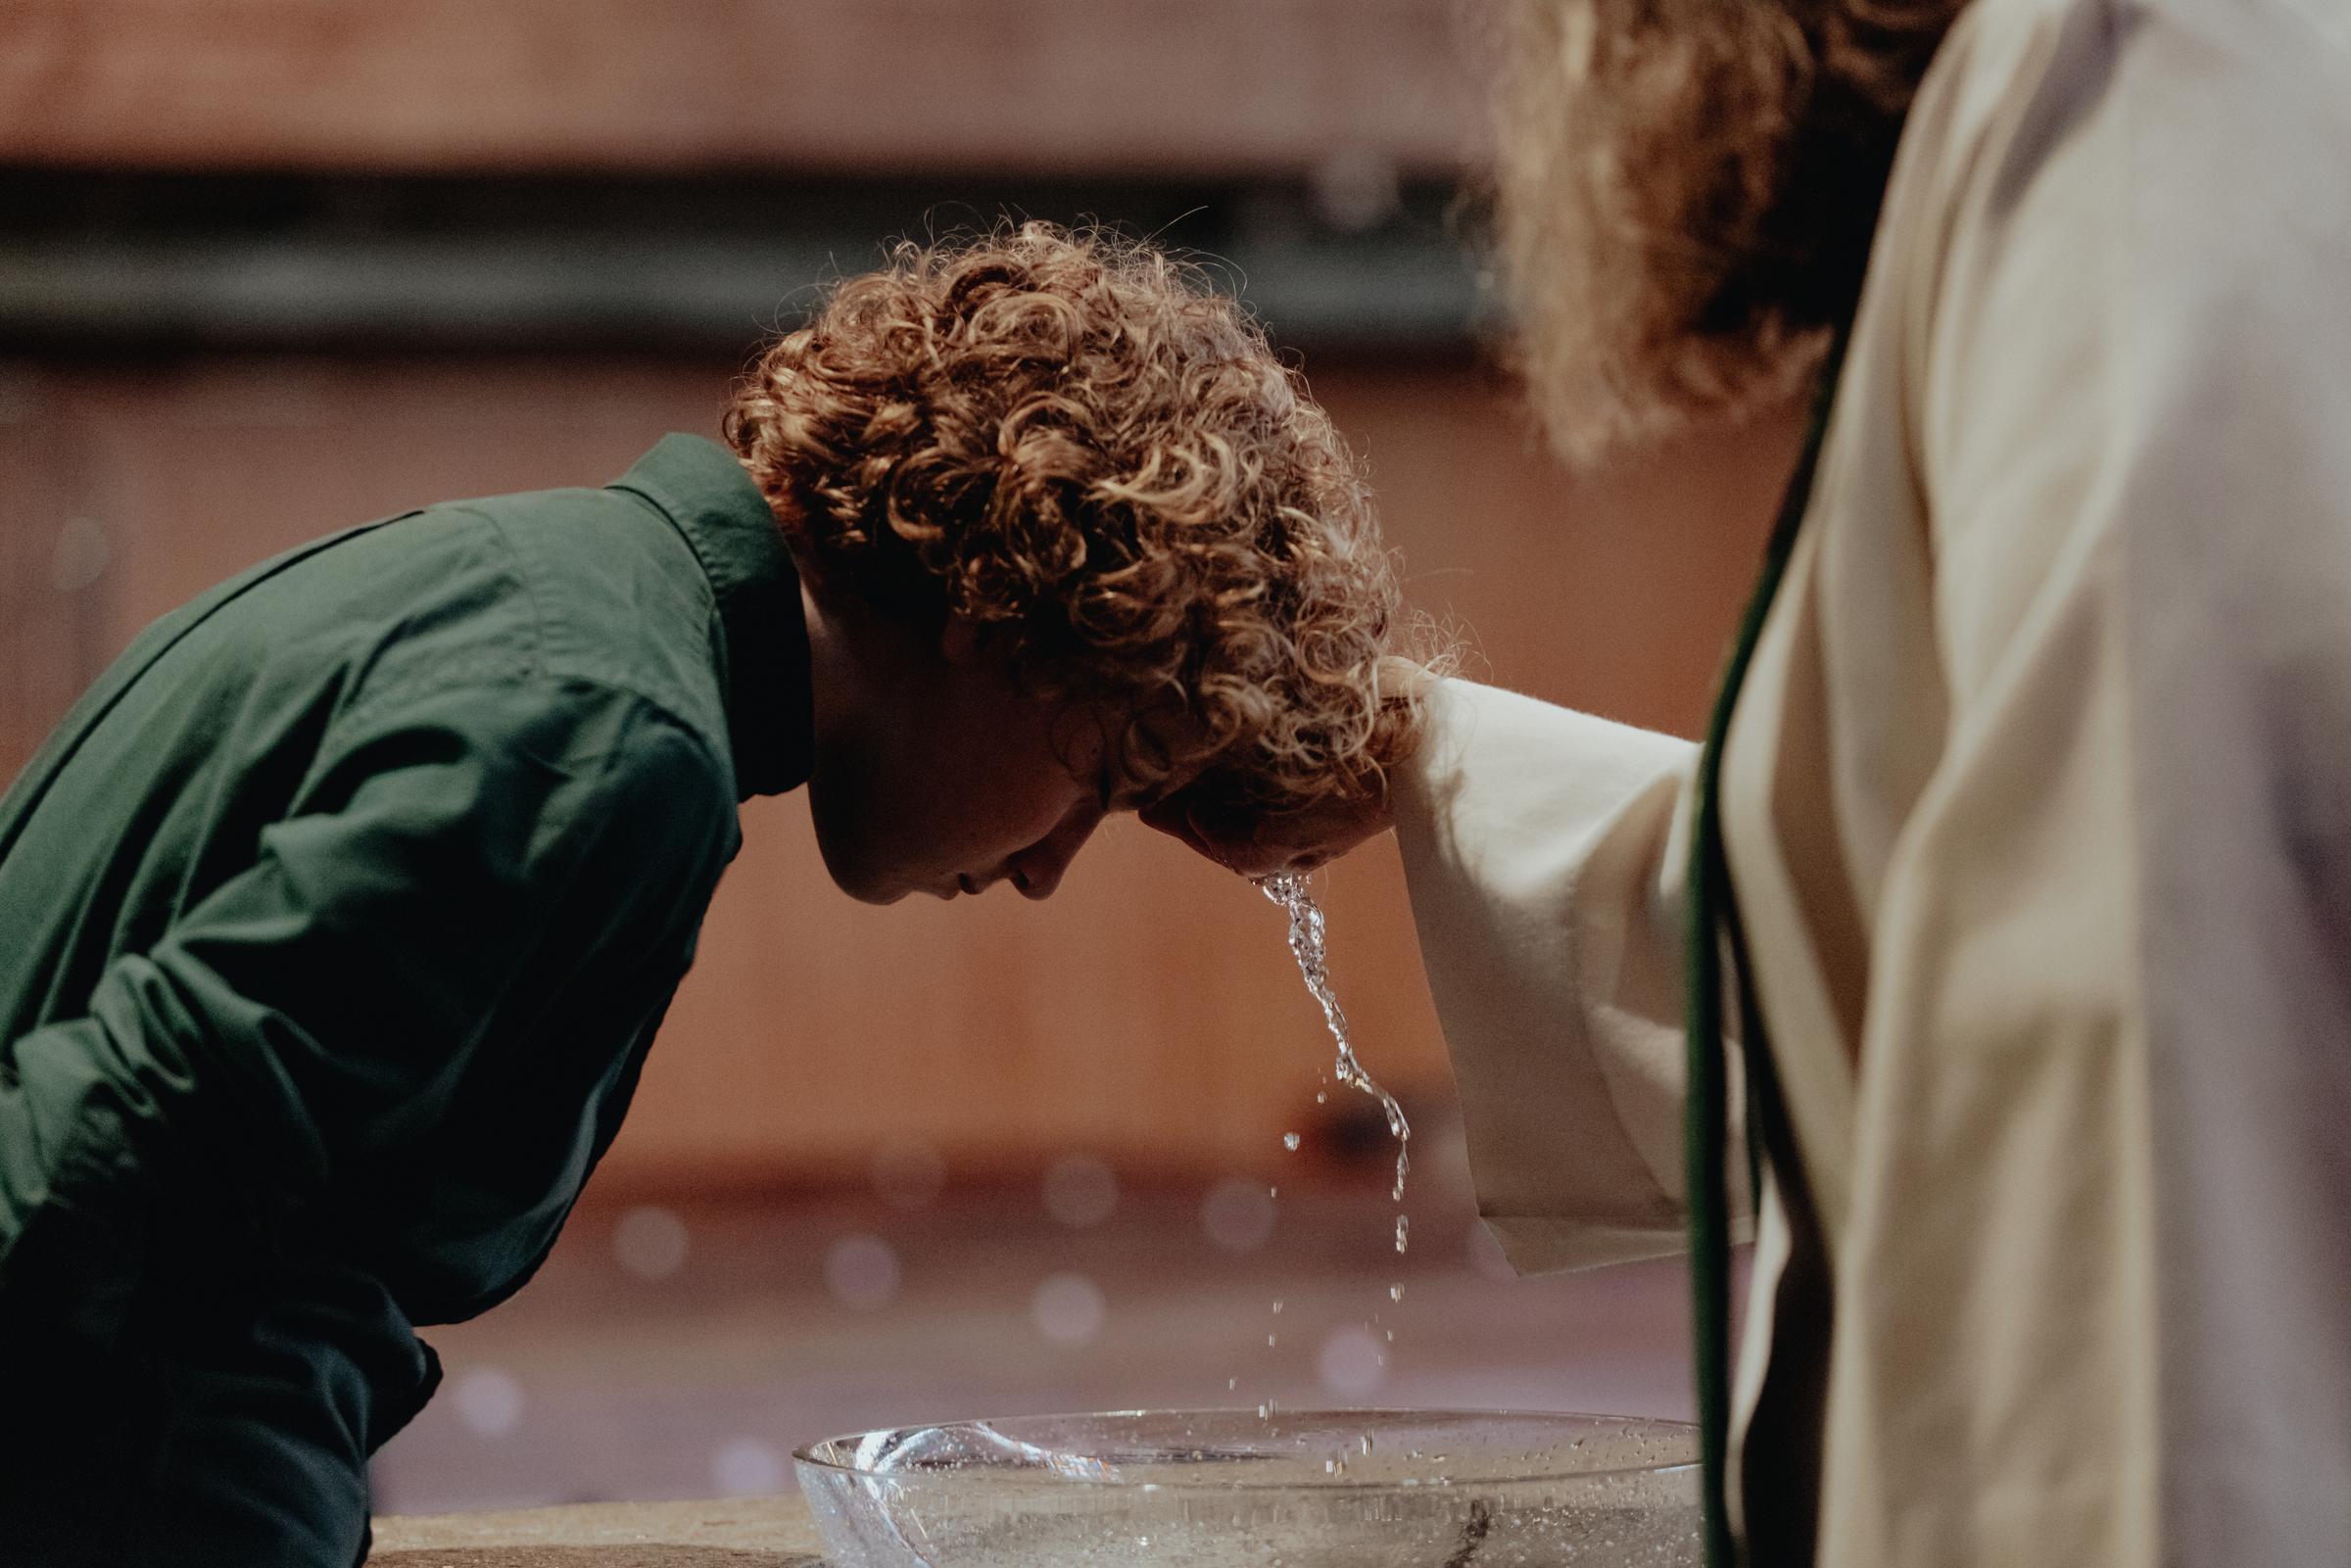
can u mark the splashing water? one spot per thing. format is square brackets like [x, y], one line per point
[1289, 891]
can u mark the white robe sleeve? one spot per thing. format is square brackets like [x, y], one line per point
[1544, 851]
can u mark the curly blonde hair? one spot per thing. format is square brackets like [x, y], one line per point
[1069, 438]
[1686, 195]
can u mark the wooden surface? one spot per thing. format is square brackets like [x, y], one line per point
[751, 1533]
[1043, 85]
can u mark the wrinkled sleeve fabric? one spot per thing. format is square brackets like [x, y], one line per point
[320, 1004]
[2095, 1301]
[1545, 851]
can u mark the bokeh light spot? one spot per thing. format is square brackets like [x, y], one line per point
[489, 1401]
[862, 1272]
[908, 1173]
[1237, 1215]
[1068, 1309]
[746, 1468]
[1352, 1364]
[1080, 1191]
[649, 1242]
[1356, 188]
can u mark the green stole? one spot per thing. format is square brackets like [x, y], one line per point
[1713, 922]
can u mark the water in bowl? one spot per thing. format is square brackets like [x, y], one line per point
[1212, 1489]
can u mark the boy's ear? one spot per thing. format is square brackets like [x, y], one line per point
[960, 640]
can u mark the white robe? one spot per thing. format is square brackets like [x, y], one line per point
[2038, 805]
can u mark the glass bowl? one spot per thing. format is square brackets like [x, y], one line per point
[1303, 1489]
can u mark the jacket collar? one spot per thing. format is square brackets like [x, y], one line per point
[763, 651]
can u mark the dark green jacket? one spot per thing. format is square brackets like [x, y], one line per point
[336, 919]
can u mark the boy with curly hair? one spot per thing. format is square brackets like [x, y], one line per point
[337, 919]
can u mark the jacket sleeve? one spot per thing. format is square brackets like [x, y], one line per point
[1544, 850]
[321, 1003]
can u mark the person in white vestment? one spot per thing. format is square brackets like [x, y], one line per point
[2036, 799]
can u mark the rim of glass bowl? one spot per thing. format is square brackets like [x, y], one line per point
[807, 1454]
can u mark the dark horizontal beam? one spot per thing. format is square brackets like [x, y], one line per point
[523, 263]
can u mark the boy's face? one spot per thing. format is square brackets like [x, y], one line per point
[934, 773]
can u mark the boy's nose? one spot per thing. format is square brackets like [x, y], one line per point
[1037, 873]
[1037, 869]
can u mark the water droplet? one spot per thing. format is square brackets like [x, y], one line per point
[1272, 1339]
[1403, 1228]
[1366, 1439]
[1321, 1096]
[1277, 1308]
[1231, 1383]
[1395, 1293]
[1307, 930]
[1289, 1141]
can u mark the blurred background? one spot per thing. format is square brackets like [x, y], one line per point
[269, 267]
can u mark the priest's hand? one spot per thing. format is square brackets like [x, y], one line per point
[1295, 842]
[1260, 844]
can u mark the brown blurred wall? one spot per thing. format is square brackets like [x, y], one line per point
[1148, 86]
[1149, 1013]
